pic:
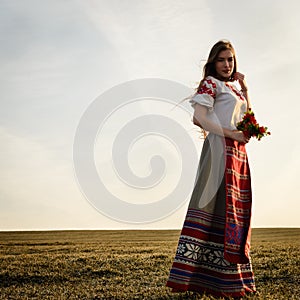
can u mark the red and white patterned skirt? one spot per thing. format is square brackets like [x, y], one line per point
[213, 249]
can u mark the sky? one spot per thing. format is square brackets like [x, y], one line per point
[60, 59]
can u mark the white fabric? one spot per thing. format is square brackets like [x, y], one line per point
[203, 99]
[225, 107]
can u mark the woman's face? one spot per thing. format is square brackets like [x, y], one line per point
[224, 64]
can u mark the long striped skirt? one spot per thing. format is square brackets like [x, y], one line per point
[213, 249]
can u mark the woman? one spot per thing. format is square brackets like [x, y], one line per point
[213, 249]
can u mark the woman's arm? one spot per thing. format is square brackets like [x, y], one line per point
[242, 82]
[200, 119]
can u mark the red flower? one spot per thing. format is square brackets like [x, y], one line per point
[252, 119]
[262, 130]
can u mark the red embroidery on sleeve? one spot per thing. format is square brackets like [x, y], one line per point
[208, 87]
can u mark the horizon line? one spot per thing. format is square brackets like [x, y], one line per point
[127, 229]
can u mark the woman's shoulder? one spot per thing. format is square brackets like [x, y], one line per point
[213, 82]
[220, 84]
[209, 77]
[214, 79]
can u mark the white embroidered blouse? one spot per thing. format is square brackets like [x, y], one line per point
[225, 102]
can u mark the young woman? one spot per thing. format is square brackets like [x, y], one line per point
[213, 250]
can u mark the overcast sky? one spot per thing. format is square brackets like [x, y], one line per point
[57, 57]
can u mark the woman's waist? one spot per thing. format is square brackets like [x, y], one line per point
[223, 122]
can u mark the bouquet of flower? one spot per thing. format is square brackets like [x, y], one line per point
[250, 127]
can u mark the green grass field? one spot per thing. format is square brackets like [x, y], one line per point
[128, 264]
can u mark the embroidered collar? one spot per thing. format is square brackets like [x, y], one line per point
[237, 92]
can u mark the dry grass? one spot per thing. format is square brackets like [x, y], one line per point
[128, 264]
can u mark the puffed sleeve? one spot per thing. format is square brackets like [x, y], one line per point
[206, 95]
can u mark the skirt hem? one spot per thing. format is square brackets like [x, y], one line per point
[177, 288]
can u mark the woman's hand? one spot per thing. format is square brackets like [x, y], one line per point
[239, 136]
[242, 82]
[241, 79]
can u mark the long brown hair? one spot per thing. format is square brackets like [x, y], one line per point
[209, 68]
